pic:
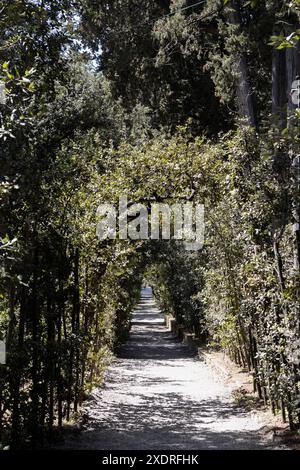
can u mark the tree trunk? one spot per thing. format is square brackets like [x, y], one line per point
[245, 95]
[15, 429]
[293, 75]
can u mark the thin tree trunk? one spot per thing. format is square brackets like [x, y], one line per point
[34, 322]
[76, 315]
[293, 76]
[279, 94]
[50, 365]
[245, 94]
[61, 308]
[15, 430]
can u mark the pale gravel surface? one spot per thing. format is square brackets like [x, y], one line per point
[158, 396]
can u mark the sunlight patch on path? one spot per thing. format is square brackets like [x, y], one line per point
[157, 395]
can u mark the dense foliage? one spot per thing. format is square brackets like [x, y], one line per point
[164, 101]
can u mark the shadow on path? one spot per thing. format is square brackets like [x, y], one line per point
[157, 395]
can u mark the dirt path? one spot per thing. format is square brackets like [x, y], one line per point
[157, 396]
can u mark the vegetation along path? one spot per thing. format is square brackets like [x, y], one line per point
[159, 396]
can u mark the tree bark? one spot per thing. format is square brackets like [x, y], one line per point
[279, 94]
[245, 94]
[293, 75]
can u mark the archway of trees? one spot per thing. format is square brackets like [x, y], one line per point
[179, 105]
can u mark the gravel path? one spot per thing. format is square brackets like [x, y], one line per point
[158, 396]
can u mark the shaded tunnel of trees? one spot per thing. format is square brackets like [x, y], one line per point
[166, 101]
